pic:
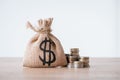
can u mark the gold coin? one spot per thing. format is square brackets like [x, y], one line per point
[84, 59]
[73, 58]
[74, 50]
[74, 54]
[86, 65]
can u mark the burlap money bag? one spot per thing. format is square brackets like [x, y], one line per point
[44, 49]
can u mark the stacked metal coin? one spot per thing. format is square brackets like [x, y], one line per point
[85, 60]
[75, 61]
[78, 64]
[74, 51]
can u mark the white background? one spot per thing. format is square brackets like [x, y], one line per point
[91, 25]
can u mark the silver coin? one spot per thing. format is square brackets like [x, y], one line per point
[78, 64]
[70, 65]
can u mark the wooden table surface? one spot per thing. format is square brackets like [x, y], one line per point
[100, 69]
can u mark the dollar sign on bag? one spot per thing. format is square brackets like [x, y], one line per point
[50, 52]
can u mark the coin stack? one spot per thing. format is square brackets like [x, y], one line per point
[75, 61]
[74, 51]
[85, 60]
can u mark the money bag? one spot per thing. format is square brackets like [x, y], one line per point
[43, 49]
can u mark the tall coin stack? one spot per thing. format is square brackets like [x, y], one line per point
[75, 61]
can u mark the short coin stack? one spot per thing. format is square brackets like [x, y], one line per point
[75, 61]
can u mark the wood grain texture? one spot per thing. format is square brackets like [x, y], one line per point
[100, 69]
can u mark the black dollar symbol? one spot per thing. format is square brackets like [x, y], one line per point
[51, 53]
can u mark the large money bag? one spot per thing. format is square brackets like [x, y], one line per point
[44, 49]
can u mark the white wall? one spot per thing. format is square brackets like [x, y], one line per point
[118, 27]
[91, 25]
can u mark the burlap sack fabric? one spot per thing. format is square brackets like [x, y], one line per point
[44, 49]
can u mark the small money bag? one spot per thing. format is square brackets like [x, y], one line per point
[44, 49]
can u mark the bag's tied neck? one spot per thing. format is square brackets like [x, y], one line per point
[44, 26]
